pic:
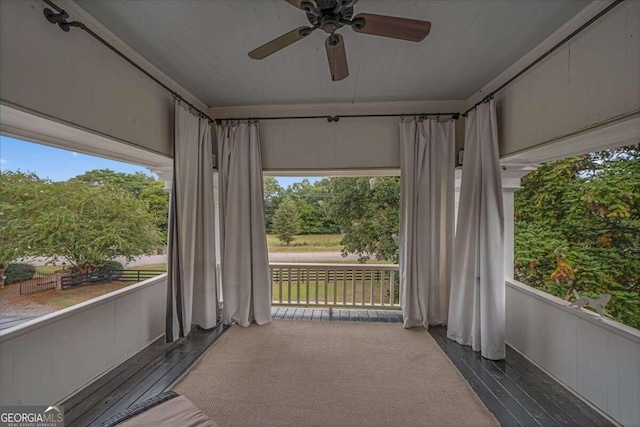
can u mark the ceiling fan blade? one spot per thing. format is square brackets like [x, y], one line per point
[298, 3]
[280, 43]
[337, 57]
[389, 26]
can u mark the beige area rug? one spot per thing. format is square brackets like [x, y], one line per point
[292, 373]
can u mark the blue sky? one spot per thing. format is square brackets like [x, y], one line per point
[60, 165]
[54, 163]
[286, 181]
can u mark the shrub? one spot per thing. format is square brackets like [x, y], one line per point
[112, 269]
[110, 266]
[19, 272]
[108, 271]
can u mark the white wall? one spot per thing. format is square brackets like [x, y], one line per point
[597, 358]
[23, 125]
[591, 81]
[47, 359]
[72, 78]
[351, 143]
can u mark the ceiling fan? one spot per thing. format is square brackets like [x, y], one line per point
[331, 15]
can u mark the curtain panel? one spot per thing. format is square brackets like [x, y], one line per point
[191, 268]
[246, 286]
[477, 305]
[427, 203]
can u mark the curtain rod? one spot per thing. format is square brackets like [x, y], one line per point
[454, 116]
[544, 55]
[61, 17]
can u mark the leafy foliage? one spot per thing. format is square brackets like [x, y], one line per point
[366, 210]
[111, 269]
[82, 223]
[156, 201]
[149, 190]
[19, 272]
[578, 226]
[286, 222]
[133, 183]
[309, 199]
[15, 187]
[272, 198]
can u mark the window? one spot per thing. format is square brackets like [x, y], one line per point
[74, 227]
[577, 229]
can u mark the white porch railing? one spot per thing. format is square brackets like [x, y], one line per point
[49, 358]
[596, 357]
[335, 285]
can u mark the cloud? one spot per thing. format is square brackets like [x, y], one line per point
[3, 161]
[75, 154]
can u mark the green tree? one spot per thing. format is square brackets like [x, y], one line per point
[15, 187]
[133, 183]
[366, 211]
[147, 188]
[272, 198]
[156, 202]
[577, 226]
[84, 224]
[309, 199]
[286, 223]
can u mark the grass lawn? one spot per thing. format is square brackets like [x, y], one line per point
[40, 303]
[48, 270]
[157, 267]
[52, 300]
[306, 243]
[68, 297]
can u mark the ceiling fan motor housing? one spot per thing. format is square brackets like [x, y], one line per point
[330, 16]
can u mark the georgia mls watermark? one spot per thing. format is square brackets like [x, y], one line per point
[31, 416]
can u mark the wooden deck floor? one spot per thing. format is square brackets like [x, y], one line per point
[289, 313]
[515, 391]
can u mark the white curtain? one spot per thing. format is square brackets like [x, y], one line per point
[191, 292]
[246, 287]
[477, 305]
[426, 220]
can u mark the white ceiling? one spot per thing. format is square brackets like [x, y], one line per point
[203, 46]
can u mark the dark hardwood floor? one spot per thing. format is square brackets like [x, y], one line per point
[514, 390]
